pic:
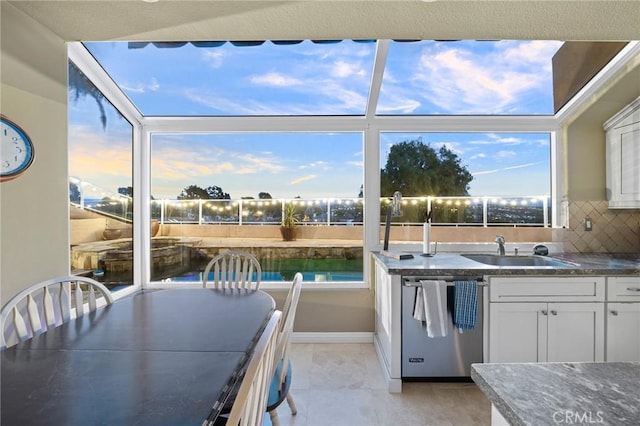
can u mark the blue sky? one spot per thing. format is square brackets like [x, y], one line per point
[439, 78]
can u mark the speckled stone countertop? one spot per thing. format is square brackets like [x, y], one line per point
[455, 264]
[604, 393]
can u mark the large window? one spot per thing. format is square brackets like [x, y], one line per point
[212, 191]
[468, 77]
[231, 138]
[100, 185]
[306, 78]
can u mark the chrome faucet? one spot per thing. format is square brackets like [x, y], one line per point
[500, 241]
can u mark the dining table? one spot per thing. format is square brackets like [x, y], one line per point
[158, 357]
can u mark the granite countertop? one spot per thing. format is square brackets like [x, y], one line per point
[606, 393]
[455, 264]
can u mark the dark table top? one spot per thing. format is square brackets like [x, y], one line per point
[162, 357]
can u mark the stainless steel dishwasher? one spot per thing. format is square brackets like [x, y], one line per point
[442, 358]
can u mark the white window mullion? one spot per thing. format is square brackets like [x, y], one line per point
[379, 63]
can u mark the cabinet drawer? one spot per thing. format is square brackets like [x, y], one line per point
[623, 289]
[542, 289]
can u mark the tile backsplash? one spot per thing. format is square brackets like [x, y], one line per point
[613, 231]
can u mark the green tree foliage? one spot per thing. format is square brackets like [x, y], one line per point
[126, 190]
[416, 169]
[194, 192]
[264, 196]
[216, 193]
[74, 193]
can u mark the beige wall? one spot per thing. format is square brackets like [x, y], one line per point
[614, 230]
[34, 208]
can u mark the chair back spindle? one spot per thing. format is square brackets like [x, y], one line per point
[234, 269]
[22, 317]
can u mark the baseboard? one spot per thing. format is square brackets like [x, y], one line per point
[346, 337]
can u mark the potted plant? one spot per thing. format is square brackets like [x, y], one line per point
[110, 233]
[289, 221]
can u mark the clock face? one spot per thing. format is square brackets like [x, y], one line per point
[16, 151]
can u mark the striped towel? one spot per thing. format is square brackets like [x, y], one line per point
[465, 305]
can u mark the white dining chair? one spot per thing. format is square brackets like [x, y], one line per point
[279, 389]
[235, 269]
[48, 304]
[249, 407]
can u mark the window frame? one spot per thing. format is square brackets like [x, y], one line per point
[370, 125]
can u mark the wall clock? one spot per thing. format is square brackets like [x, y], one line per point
[16, 151]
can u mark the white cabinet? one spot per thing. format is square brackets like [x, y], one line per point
[623, 319]
[623, 157]
[553, 332]
[623, 332]
[554, 319]
[387, 337]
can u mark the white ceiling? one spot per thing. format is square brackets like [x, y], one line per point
[170, 20]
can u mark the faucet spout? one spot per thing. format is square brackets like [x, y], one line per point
[500, 241]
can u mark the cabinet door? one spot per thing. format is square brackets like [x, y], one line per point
[517, 332]
[575, 332]
[623, 157]
[623, 332]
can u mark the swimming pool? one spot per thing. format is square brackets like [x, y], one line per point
[315, 270]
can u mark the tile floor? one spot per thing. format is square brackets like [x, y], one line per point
[343, 385]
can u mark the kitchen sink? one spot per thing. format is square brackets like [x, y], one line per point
[521, 261]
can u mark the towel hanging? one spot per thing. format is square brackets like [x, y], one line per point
[435, 308]
[418, 306]
[465, 304]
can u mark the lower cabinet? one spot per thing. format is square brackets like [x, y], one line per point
[623, 332]
[541, 331]
[623, 318]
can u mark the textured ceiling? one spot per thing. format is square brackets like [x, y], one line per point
[281, 20]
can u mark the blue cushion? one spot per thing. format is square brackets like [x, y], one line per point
[275, 397]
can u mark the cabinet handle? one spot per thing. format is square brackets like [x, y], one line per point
[633, 288]
[554, 312]
[544, 312]
[614, 313]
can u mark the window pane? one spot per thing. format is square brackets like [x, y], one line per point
[299, 79]
[216, 191]
[100, 185]
[467, 178]
[468, 77]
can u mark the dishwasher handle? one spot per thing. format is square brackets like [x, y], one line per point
[415, 281]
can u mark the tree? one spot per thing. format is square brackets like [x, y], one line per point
[416, 169]
[264, 196]
[126, 190]
[74, 193]
[80, 85]
[194, 192]
[216, 193]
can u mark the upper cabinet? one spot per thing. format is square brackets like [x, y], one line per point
[623, 157]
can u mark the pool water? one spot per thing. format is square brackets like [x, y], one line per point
[316, 270]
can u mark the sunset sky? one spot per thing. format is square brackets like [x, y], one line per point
[432, 78]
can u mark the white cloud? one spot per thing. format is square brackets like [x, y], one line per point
[461, 79]
[303, 179]
[487, 172]
[506, 154]
[274, 79]
[213, 57]
[150, 86]
[344, 69]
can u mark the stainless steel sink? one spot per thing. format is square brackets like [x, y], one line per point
[519, 261]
